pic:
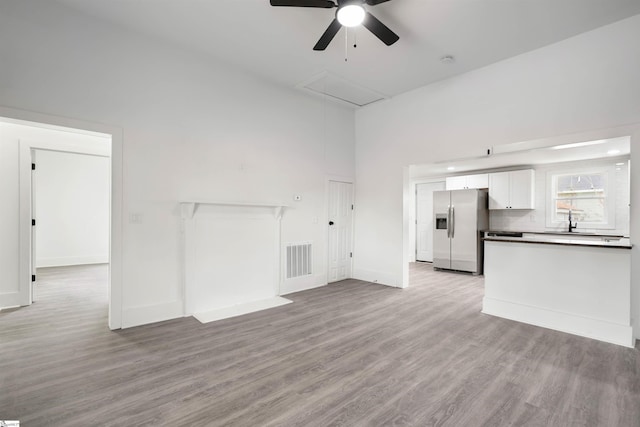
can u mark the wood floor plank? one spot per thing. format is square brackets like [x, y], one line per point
[347, 354]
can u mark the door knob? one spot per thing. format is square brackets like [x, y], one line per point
[330, 222]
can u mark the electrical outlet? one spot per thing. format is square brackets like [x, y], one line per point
[135, 218]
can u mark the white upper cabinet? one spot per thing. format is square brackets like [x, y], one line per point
[467, 181]
[456, 182]
[512, 190]
[499, 190]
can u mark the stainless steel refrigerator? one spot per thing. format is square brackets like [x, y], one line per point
[459, 216]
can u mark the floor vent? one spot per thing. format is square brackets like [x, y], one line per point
[298, 259]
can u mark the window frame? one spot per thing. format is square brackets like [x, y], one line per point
[609, 197]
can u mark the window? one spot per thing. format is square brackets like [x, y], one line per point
[585, 195]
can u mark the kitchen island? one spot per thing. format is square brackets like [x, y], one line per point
[578, 284]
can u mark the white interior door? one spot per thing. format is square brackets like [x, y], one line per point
[424, 219]
[340, 230]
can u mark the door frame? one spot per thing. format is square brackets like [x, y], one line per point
[11, 115]
[413, 226]
[346, 180]
[27, 155]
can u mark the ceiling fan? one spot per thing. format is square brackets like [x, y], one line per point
[350, 13]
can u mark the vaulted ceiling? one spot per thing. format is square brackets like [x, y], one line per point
[276, 42]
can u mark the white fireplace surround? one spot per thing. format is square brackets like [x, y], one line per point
[231, 257]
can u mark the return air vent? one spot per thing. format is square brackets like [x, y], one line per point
[298, 259]
[340, 90]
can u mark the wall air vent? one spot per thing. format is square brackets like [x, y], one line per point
[340, 90]
[298, 259]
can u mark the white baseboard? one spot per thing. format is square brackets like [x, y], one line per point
[240, 309]
[142, 315]
[560, 321]
[72, 260]
[298, 284]
[9, 300]
[378, 277]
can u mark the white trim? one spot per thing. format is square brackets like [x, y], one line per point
[11, 115]
[72, 260]
[378, 277]
[9, 300]
[634, 229]
[578, 325]
[188, 208]
[241, 309]
[407, 211]
[298, 284]
[70, 147]
[142, 315]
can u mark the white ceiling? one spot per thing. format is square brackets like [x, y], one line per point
[276, 42]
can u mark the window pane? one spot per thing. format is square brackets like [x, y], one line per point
[585, 194]
[582, 209]
[580, 184]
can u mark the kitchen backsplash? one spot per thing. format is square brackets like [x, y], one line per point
[535, 220]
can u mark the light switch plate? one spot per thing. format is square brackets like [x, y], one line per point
[135, 218]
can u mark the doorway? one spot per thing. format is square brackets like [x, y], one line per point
[340, 230]
[424, 219]
[20, 133]
[70, 210]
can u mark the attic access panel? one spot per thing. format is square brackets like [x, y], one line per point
[340, 90]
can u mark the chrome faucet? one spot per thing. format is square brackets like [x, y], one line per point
[572, 226]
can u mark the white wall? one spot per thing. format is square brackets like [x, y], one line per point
[72, 208]
[10, 217]
[584, 83]
[192, 128]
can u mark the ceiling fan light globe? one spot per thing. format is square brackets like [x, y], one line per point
[350, 15]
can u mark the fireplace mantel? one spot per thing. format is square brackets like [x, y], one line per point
[189, 207]
[232, 257]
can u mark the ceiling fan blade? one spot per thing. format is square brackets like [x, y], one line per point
[327, 4]
[380, 30]
[375, 2]
[328, 35]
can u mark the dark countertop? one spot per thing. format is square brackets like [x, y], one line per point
[581, 239]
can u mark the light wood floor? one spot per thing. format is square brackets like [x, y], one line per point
[348, 354]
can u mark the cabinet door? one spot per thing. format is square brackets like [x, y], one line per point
[480, 180]
[499, 190]
[456, 182]
[522, 189]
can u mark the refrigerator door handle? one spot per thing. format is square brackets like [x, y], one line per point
[453, 221]
[449, 221]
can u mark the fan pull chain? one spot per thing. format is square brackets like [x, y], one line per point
[355, 39]
[346, 43]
